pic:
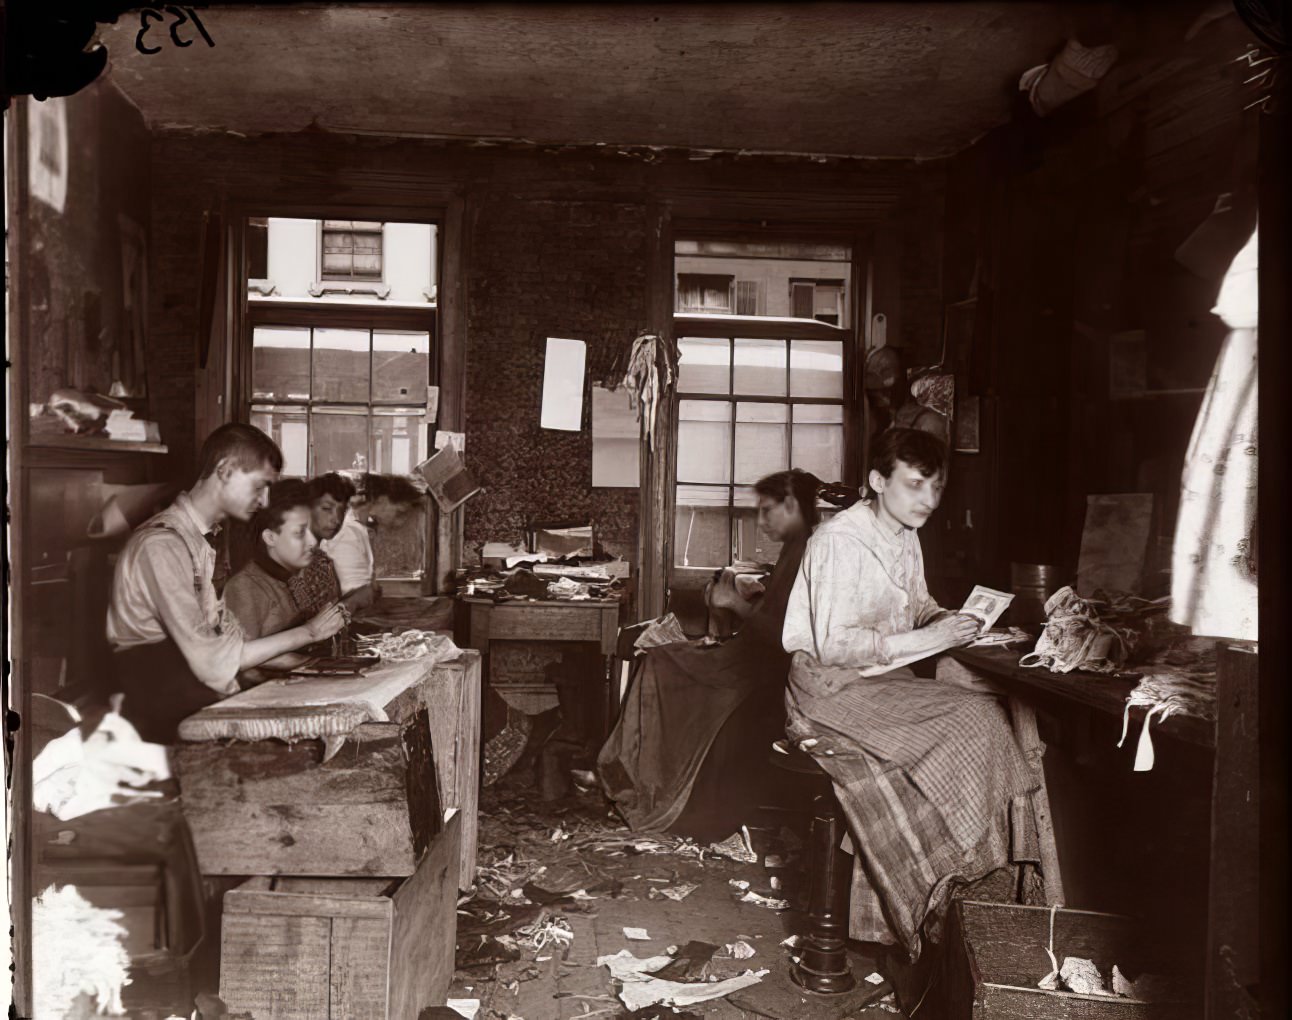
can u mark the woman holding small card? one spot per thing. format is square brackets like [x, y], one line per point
[925, 770]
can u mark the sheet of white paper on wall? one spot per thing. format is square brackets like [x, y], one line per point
[47, 150]
[457, 440]
[432, 405]
[563, 384]
[616, 443]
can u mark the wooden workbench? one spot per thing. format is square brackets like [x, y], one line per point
[270, 807]
[591, 620]
[1098, 691]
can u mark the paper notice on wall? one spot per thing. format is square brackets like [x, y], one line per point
[456, 441]
[563, 384]
[47, 151]
[616, 443]
[432, 405]
[448, 480]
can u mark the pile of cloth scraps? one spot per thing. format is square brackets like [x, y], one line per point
[1164, 695]
[1093, 634]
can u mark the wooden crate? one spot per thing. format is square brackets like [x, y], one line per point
[343, 949]
[995, 956]
[266, 807]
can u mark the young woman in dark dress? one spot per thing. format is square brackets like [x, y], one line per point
[699, 718]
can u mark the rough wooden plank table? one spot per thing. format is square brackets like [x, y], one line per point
[481, 622]
[593, 620]
[269, 807]
[1099, 691]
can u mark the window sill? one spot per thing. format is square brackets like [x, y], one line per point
[320, 287]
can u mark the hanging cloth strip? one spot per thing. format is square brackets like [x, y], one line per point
[1165, 695]
[652, 368]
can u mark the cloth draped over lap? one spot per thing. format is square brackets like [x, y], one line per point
[681, 698]
[927, 770]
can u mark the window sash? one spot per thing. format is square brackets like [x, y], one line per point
[738, 490]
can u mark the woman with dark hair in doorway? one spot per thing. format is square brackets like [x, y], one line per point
[687, 692]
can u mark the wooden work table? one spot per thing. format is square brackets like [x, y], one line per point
[1056, 691]
[306, 778]
[592, 620]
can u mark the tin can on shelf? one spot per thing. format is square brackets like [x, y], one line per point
[1032, 584]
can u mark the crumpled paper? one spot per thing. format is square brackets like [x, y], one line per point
[641, 988]
[73, 776]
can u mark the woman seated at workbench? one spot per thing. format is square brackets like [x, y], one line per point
[259, 595]
[385, 501]
[926, 770]
[686, 691]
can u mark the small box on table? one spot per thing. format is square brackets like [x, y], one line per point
[341, 949]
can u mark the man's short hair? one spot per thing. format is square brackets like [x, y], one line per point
[245, 444]
[338, 486]
[922, 450]
[283, 496]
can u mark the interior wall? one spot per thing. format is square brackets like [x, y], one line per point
[1072, 224]
[556, 243]
[73, 256]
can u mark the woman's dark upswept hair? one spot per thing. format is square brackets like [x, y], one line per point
[802, 485]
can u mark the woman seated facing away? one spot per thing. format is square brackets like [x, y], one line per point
[385, 501]
[687, 691]
[259, 595]
[926, 771]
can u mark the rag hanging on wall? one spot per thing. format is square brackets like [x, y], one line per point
[651, 372]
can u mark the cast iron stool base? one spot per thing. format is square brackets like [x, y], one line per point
[823, 965]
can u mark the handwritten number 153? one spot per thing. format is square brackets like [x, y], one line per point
[180, 16]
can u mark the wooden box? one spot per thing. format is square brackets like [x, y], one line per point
[267, 807]
[995, 955]
[343, 949]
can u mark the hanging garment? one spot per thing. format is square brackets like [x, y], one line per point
[1213, 567]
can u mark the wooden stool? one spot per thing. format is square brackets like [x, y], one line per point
[823, 964]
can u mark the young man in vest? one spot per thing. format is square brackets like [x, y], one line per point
[175, 648]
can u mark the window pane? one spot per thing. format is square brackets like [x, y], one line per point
[401, 366]
[704, 441]
[340, 441]
[763, 278]
[760, 367]
[280, 363]
[704, 365]
[289, 428]
[341, 365]
[816, 368]
[702, 537]
[818, 440]
[398, 440]
[761, 442]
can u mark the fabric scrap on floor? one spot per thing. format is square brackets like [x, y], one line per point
[641, 988]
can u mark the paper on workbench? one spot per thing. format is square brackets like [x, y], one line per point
[275, 709]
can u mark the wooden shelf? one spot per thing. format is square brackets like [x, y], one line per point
[96, 444]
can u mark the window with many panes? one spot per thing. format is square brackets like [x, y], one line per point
[351, 250]
[759, 391]
[341, 381]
